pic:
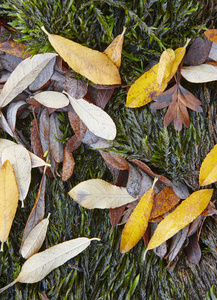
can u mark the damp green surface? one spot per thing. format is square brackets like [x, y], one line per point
[101, 271]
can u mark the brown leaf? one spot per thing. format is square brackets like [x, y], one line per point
[44, 127]
[164, 202]
[116, 214]
[177, 98]
[100, 97]
[35, 139]
[198, 52]
[15, 49]
[210, 210]
[211, 34]
[10, 62]
[77, 125]
[114, 160]
[73, 144]
[68, 165]
[56, 147]
[193, 250]
[76, 88]
[38, 210]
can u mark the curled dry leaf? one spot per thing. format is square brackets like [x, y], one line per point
[92, 64]
[12, 113]
[52, 99]
[208, 169]
[96, 120]
[137, 223]
[200, 74]
[4, 125]
[97, 193]
[20, 160]
[8, 200]
[34, 239]
[24, 74]
[183, 215]
[41, 264]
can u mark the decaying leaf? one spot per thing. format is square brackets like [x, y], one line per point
[183, 215]
[56, 147]
[20, 160]
[146, 88]
[193, 250]
[97, 193]
[38, 210]
[68, 165]
[208, 169]
[211, 34]
[24, 74]
[137, 223]
[96, 119]
[8, 200]
[35, 239]
[100, 97]
[78, 126]
[41, 264]
[92, 64]
[76, 88]
[177, 98]
[52, 99]
[44, 128]
[200, 74]
[15, 49]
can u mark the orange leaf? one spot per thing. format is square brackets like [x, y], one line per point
[137, 223]
[208, 169]
[184, 214]
[211, 34]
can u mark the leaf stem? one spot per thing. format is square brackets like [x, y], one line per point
[7, 286]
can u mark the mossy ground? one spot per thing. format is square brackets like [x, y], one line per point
[101, 272]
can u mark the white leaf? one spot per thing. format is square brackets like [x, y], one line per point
[12, 113]
[35, 160]
[97, 193]
[96, 119]
[200, 74]
[213, 52]
[20, 160]
[41, 264]
[34, 239]
[52, 99]
[23, 75]
[5, 126]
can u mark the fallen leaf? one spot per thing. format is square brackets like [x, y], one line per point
[4, 125]
[92, 64]
[34, 239]
[56, 147]
[134, 181]
[211, 34]
[12, 113]
[97, 193]
[146, 88]
[164, 202]
[96, 120]
[77, 125]
[100, 97]
[76, 88]
[4, 76]
[114, 160]
[44, 128]
[35, 138]
[43, 77]
[213, 52]
[20, 160]
[137, 223]
[15, 49]
[52, 99]
[38, 210]
[73, 144]
[183, 215]
[8, 200]
[41, 264]
[68, 165]
[208, 169]
[200, 74]
[165, 65]
[193, 250]
[24, 74]
[198, 52]
[10, 62]
[177, 98]
[114, 50]
[116, 214]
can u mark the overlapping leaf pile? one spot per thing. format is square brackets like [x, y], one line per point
[44, 87]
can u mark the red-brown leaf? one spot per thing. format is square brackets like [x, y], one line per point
[68, 165]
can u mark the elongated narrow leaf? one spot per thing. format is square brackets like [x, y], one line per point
[96, 119]
[208, 169]
[21, 162]
[35, 239]
[94, 65]
[200, 74]
[184, 214]
[165, 65]
[8, 200]
[137, 223]
[41, 264]
[56, 147]
[24, 74]
[52, 99]
[97, 193]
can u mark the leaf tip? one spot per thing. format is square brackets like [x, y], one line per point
[45, 31]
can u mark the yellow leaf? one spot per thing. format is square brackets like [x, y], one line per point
[114, 50]
[208, 169]
[165, 65]
[184, 214]
[8, 200]
[92, 64]
[137, 223]
[146, 88]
